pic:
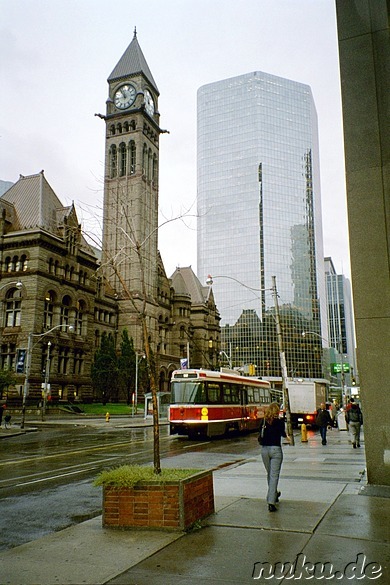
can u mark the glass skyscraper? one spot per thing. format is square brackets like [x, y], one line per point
[259, 216]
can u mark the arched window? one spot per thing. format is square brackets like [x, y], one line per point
[144, 160]
[126, 126]
[8, 264]
[113, 161]
[97, 338]
[119, 128]
[150, 158]
[112, 129]
[79, 317]
[154, 171]
[23, 262]
[122, 159]
[132, 157]
[63, 360]
[78, 361]
[13, 308]
[65, 310]
[48, 311]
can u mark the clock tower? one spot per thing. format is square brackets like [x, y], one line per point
[130, 209]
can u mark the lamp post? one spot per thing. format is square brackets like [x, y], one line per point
[282, 358]
[30, 348]
[47, 375]
[228, 357]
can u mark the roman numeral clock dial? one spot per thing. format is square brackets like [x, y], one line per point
[124, 96]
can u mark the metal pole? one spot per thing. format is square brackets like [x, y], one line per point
[136, 384]
[26, 380]
[283, 367]
[47, 373]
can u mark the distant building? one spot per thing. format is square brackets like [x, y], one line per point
[341, 331]
[259, 216]
[64, 281]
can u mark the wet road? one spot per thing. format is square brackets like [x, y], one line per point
[46, 477]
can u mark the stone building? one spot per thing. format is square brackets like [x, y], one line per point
[61, 295]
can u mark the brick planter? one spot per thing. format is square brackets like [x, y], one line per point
[173, 505]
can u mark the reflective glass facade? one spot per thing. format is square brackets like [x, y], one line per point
[259, 215]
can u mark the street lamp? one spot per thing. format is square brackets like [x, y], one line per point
[228, 357]
[282, 358]
[30, 348]
[46, 385]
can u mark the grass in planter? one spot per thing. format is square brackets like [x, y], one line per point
[130, 475]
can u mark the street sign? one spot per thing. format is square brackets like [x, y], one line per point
[336, 368]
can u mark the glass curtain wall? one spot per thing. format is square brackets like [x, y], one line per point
[259, 215]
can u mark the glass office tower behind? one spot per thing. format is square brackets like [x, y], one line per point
[259, 215]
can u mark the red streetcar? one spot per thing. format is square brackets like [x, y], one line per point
[207, 403]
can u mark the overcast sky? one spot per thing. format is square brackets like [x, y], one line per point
[56, 55]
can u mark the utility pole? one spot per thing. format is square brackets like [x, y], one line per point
[283, 367]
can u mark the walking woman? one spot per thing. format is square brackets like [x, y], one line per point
[272, 429]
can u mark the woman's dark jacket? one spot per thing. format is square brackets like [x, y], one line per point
[274, 432]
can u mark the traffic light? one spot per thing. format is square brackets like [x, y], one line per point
[21, 361]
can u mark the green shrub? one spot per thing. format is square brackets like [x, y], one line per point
[130, 475]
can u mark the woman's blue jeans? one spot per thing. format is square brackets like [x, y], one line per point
[272, 458]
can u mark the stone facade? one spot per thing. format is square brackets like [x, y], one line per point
[364, 49]
[51, 278]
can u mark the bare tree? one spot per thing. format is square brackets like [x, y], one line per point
[135, 248]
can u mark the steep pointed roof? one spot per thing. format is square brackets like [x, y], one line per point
[37, 206]
[185, 281]
[132, 63]
[35, 202]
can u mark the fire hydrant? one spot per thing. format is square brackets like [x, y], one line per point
[303, 433]
[107, 417]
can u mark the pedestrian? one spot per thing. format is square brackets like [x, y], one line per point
[2, 408]
[323, 421]
[7, 420]
[272, 429]
[354, 420]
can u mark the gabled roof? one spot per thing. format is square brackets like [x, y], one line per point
[132, 63]
[35, 202]
[184, 281]
[37, 206]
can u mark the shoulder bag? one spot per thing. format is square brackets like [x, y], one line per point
[261, 434]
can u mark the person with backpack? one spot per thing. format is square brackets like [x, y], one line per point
[354, 420]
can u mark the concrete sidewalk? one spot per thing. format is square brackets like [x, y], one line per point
[327, 514]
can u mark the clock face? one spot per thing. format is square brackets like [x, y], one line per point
[149, 103]
[124, 97]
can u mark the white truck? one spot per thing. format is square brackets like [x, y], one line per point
[305, 398]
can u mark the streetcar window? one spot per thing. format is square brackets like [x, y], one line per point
[213, 392]
[188, 392]
[250, 392]
[231, 394]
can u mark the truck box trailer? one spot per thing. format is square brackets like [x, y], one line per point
[305, 398]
